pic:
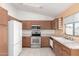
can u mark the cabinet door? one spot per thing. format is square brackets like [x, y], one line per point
[52, 25]
[24, 25]
[26, 42]
[27, 25]
[66, 51]
[60, 23]
[44, 42]
[3, 40]
[57, 48]
[43, 24]
[3, 17]
[55, 24]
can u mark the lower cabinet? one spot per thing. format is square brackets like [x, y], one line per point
[44, 41]
[57, 48]
[66, 51]
[26, 41]
[61, 50]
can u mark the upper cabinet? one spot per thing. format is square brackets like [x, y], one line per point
[43, 24]
[3, 16]
[3, 32]
[46, 25]
[3, 40]
[57, 23]
[54, 24]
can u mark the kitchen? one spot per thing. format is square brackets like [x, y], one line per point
[31, 32]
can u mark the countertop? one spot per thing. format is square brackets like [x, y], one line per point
[68, 43]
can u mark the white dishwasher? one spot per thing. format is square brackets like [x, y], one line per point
[51, 42]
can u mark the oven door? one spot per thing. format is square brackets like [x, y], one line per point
[35, 40]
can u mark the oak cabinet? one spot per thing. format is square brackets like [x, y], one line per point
[43, 24]
[57, 23]
[26, 41]
[66, 51]
[62, 50]
[3, 32]
[45, 42]
[3, 17]
[27, 25]
[3, 40]
[57, 48]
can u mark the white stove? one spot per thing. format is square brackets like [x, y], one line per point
[35, 41]
[36, 36]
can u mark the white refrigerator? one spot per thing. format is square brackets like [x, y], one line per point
[14, 38]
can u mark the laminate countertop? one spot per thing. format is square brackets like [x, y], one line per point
[68, 43]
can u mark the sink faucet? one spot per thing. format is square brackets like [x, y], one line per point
[70, 38]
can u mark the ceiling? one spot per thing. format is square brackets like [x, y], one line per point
[47, 9]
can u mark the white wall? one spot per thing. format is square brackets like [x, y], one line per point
[32, 16]
[23, 15]
[11, 11]
[72, 18]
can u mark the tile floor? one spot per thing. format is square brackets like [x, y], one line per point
[37, 52]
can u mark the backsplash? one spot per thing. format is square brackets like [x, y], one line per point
[47, 32]
[58, 33]
[43, 32]
[26, 32]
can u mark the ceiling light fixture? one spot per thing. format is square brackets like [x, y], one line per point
[33, 5]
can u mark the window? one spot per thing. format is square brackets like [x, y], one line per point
[72, 28]
[76, 28]
[69, 29]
